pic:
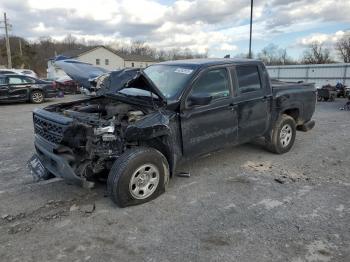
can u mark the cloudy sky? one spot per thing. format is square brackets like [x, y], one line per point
[219, 26]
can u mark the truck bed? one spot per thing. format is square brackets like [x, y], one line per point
[281, 85]
[295, 95]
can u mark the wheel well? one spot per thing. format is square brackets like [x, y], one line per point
[159, 144]
[293, 112]
[35, 90]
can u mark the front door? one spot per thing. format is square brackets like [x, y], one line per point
[18, 88]
[209, 127]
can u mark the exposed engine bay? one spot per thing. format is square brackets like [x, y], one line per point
[96, 135]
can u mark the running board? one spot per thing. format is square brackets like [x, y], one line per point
[306, 126]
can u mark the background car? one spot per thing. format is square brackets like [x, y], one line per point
[16, 88]
[27, 72]
[67, 85]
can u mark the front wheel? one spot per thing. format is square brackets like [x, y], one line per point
[282, 135]
[37, 97]
[138, 176]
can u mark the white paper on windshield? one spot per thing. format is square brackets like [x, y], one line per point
[183, 71]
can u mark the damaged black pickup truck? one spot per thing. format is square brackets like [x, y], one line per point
[145, 123]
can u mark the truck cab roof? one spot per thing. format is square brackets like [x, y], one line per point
[207, 62]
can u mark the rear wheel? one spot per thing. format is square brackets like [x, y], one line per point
[138, 176]
[37, 97]
[283, 135]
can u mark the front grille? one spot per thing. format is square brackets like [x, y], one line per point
[48, 130]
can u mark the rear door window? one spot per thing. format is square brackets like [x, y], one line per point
[248, 78]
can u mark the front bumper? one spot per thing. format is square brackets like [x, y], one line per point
[55, 163]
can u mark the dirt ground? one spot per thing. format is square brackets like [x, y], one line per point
[240, 204]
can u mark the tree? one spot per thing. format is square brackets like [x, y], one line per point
[317, 54]
[141, 48]
[343, 47]
[19, 59]
[273, 55]
[70, 41]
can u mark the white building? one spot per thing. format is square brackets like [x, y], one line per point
[320, 74]
[100, 56]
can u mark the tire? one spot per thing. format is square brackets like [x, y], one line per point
[319, 98]
[138, 176]
[282, 135]
[37, 97]
[48, 176]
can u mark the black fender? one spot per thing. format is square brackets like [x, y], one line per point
[157, 130]
[153, 125]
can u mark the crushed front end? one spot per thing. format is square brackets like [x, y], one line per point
[81, 140]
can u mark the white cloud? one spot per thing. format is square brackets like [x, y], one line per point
[201, 25]
[328, 39]
[100, 10]
[227, 47]
[41, 28]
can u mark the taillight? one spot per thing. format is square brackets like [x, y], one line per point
[54, 85]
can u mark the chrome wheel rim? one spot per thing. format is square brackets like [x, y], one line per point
[144, 181]
[286, 135]
[37, 97]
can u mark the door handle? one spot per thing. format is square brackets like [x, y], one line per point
[232, 107]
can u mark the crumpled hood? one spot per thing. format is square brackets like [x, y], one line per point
[80, 71]
[83, 73]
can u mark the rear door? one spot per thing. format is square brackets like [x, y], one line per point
[253, 101]
[18, 88]
[4, 88]
[213, 126]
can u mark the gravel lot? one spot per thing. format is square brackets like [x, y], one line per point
[241, 204]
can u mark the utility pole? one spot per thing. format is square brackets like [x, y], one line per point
[251, 26]
[8, 48]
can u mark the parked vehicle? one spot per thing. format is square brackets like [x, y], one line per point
[16, 88]
[67, 85]
[342, 90]
[144, 124]
[326, 93]
[27, 72]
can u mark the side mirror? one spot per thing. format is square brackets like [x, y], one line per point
[200, 100]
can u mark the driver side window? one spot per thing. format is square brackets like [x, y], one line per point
[214, 83]
[15, 80]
